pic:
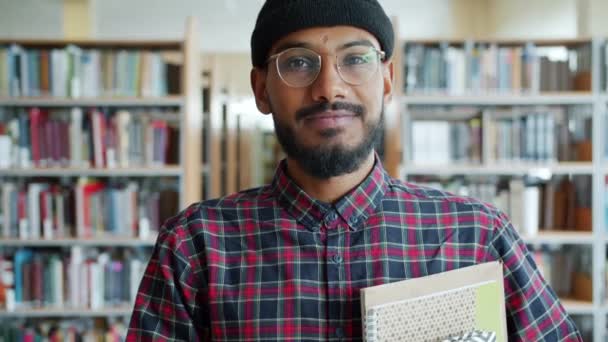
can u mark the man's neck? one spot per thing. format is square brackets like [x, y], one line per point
[331, 189]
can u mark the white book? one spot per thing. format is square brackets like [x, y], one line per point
[91, 76]
[59, 65]
[96, 292]
[24, 69]
[530, 131]
[33, 197]
[516, 203]
[6, 146]
[60, 214]
[135, 275]
[123, 121]
[76, 141]
[541, 130]
[531, 213]
[74, 277]
[57, 270]
[47, 222]
[550, 142]
[7, 202]
[75, 82]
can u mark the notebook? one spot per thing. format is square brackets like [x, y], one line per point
[466, 304]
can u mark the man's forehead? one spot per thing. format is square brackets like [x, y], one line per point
[325, 38]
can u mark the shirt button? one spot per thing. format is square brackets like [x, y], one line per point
[337, 258]
[339, 332]
[331, 217]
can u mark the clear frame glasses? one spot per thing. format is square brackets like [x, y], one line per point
[299, 67]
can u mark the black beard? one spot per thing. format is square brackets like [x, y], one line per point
[323, 162]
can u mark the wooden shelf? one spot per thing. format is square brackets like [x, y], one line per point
[560, 237]
[166, 101]
[504, 41]
[579, 307]
[162, 44]
[507, 169]
[125, 310]
[491, 99]
[94, 242]
[172, 170]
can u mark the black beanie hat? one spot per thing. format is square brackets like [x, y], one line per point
[278, 18]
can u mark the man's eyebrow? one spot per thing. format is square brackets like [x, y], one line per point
[296, 44]
[362, 42]
[289, 45]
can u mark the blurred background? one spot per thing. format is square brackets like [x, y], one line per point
[115, 115]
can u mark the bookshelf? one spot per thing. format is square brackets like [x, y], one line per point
[143, 177]
[67, 313]
[476, 85]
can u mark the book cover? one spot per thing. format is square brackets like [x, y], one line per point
[448, 306]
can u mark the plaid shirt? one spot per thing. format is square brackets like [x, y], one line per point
[274, 264]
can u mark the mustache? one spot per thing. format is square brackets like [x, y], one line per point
[320, 107]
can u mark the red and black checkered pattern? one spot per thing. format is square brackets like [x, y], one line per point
[274, 264]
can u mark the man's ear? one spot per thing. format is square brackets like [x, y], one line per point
[258, 85]
[388, 74]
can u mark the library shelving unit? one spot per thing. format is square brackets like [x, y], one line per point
[513, 103]
[139, 77]
[231, 135]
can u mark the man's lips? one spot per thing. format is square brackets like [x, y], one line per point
[329, 119]
[330, 114]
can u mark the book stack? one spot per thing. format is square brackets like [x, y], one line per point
[91, 209]
[438, 307]
[101, 139]
[68, 330]
[81, 279]
[478, 67]
[558, 204]
[79, 72]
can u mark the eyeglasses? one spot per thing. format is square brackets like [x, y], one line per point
[299, 67]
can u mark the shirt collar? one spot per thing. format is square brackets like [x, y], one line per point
[353, 208]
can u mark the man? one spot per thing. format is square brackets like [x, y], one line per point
[287, 261]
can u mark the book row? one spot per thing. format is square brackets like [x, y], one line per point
[543, 134]
[567, 269]
[87, 209]
[80, 279]
[95, 138]
[65, 330]
[76, 72]
[561, 203]
[476, 68]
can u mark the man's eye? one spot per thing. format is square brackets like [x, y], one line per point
[356, 59]
[299, 64]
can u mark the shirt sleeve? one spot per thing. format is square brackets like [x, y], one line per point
[167, 302]
[534, 312]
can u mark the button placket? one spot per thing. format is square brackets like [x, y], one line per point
[337, 258]
[330, 218]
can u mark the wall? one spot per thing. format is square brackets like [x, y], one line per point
[31, 18]
[232, 71]
[226, 25]
[598, 25]
[533, 19]
[438, 18]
